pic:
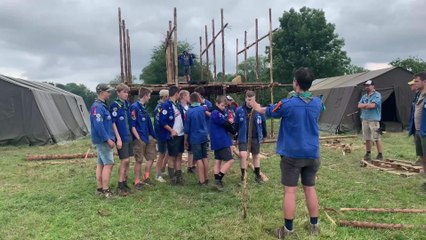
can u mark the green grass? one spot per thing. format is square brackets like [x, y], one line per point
[40, 201]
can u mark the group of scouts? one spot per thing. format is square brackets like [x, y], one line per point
[188, 121]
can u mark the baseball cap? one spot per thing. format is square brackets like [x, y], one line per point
[411, 82]
[103, 87]
[229, 98]
[369, 82]
[164, 93]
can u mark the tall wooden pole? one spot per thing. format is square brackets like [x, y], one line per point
[270, 68]
[201, 58]
[257, 52]
[223, 45]
[214, 52]
[236, 58]
[207, 53]
[245, 56]
[123, 25]
[129, 58]
[121, 46]
[171, 52]
[176, 53]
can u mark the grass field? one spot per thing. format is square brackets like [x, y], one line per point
[41, 201]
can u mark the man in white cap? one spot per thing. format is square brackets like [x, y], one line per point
[371, 113]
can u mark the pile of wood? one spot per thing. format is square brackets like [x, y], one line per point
[339, 144]
[399, 167]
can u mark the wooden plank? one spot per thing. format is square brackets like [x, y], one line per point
[254, 43]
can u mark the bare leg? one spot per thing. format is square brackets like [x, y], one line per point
[123, 170]
[379, 146]
[148, 166]
[368, 145]
[190, 160]
[106, 175]
[137, 171]
[243, 159]
[159, 165]
[424, 164]
[200, 168]
[99, 169]
[256, 160]
[289, 203]
[178, 165]
[225, 167]
[217, 164]
[206, 168]
[311, 200]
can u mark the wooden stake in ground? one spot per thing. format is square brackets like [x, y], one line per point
[359, 224]
[245, 190]
[386, 210]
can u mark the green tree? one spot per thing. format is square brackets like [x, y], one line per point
[352, 69]
[306, 39]
[263, 69]
[80, 90]
[413, 64]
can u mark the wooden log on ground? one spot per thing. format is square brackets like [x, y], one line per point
[374, 225]
[43, 157]
[397, 166]
[386, 210]
[329, 218]
[389, 170]
[262, 175]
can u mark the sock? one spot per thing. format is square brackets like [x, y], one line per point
[146, 176]
[216, 177]
[221, 174]
[314, 220]
[243, 171]
[171, 172]
[288, 223]
[368, 152]
[257, 171]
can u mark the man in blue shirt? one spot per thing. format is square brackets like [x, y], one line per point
[103, 138]
[371, 113]
[298, 145]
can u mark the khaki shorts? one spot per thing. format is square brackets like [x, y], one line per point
[143, 150]
[370, 130]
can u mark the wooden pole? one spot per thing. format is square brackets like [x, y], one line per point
[214, 52]
[129, 56]
[223, 45]
[171, 52]
[254, 43]
[271, 77]
[256, 71]
[375, 225]
[176, 43]
[245, 189]
[121, 46]
[201, 58]
[214, 39]
[386, 210]
[123, 25]
[245, 56]
[236, 57]
[207, 53]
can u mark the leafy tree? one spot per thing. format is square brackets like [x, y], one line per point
[413, 64]
[352, 69]
[263, 69]
[306, 39]
[80, 90]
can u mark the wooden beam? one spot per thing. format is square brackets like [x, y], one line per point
[245, 56]
[260, 39]
[176, 47]
[385, 210]
[207, 53]
[256, 67]
[236, 57]
[214, 53]
[271, 77]
[214, 38]
[121, 46]
[223, 46]
[201, 59]
[129, 59]
[123, 25]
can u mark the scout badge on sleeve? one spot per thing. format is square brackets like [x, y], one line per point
[278, 106]
[134, 114]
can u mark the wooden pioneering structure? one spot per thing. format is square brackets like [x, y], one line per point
[125, 56]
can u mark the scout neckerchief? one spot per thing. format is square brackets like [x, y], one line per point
[195, 104]
[103, 103]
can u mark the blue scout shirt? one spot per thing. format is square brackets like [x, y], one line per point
[157, 111]
[141, 121]
[219, 137]
[196, 124]
[412, 128]
[423, 121]
[299, 132]
[241, 120]
[372, 114]
[101, 123]
[167, 117]
[120, 111]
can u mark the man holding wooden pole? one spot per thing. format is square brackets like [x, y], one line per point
[298, 146]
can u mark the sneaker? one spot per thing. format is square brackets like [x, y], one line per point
[148, 182]
[138, 186]
[122, 191]
[206, 182]
[379, 156]
[127, 187]
[160, 179]
[107, 193]
[259, 180]
[179, 180]
[314, 229]
[99, 192]
[283, 232]
[419, 162]
[367, 157]
[219, 185]
[190, 170]
[174, 180]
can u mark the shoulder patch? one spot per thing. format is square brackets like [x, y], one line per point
[164, 112]
[93, 111]
[278, 106]
[134, 114]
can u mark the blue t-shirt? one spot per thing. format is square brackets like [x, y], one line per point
[374, 114]
[196, 125]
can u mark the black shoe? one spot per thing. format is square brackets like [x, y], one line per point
[190, 170]
[179, 178]
[259, 180]
[107, 193]
[122, 191]
[219, 185]
[127, 187]
[367, 157]
[206, 182]
[379, 157]
[148, 182]
[99, 192]
[138, 186]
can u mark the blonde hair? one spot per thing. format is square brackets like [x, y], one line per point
[182, 93]
[122, 87]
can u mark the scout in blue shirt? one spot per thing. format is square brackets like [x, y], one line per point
[144, 137]
[221, 141]
[120, 111]
[371, 111]
[161, 145]
[103, 138]
[298, 145]
[184, 104]
[258, 133]
[197, 136]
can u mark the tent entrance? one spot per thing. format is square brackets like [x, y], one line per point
[390, 119]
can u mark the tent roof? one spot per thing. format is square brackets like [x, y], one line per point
[348, 80]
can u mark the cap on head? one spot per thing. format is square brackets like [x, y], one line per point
[369, 82]
[411, 83]
[164, 93]
[103, 87]
[229, 98]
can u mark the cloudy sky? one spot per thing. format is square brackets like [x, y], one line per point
[77, 40]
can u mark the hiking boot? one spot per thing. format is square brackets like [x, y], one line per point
[206, 182]
[107, 193]
[148, 182]
[259, 180]
[219, 185]
[314, 229]
[191, 170]
[367, 157]
[122, 191]
[174, 180]
[379, 156]
[99, 192]
[283, 232]
[138, 186]
[127, 187]
[160, 179]
[179, 178]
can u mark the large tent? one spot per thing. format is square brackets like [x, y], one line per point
[341, 96]
[35, 113]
